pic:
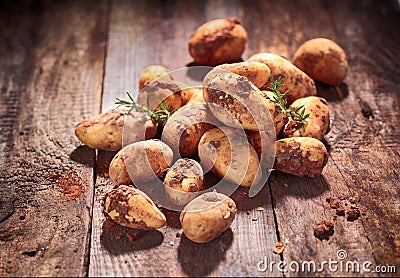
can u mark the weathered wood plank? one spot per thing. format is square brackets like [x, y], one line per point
[157, 32]
[51, 59]
[364, 157]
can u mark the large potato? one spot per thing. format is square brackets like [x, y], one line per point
[186, 126]
[130, 207]
[183, 181]
[300, 156]
[323, 60]
[317, 124]
[236, 102]
[207, 216]
[151, 73]
[227, 153]
[105, 131]
[140, 162]
[298, 83]
[218, 41]
[256, 72]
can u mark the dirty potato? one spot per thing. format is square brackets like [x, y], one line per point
[130, 207]
[218, 41]
[151, 73]
[228, 154]
[207, 216]
[263, 143]
[317, 124]
[105, 131]
[140, 162]
[300, 156]
[323, 60]
[183, 181]
[296, 82]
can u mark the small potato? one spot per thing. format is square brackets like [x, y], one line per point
[218, 41]
[207, 216]
[186, 126]
[130, 207]
[323, 60]
[227, 153]
[298, 83]
[140, 162]
[151, 73]
[183, 181]
[300, 156]
[236, 102]
[105, 131]
[158, 91]
[256, 72]
[317, 124]
[197, 96]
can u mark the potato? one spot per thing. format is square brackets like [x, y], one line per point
[183, 181]
[298, 83]
[323, 60]
[151, 73]
[236, 102]
[227, 153]
[300, 156]
[317, 124]
[263, 143]
[218, 41]
[158, 91]
[140, 162]
[207, 216]
[197, 96]
[130, 207]
[256, 72]
[186, 126]
[104, 131]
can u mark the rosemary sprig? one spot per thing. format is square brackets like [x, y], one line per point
[160, 115]
[298, 114]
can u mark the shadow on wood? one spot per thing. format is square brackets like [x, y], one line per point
[119, 240]
[83, 155]
[201, 259]
[332, 93]
[244, 203]
[103, 162]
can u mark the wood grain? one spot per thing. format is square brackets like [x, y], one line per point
[51, 56]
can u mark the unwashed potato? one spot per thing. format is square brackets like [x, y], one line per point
[207, 216]
[105, 131]
[151, 73]
[296, 82]
[183, 181]
[323, 60]
[236, 102]
[228, 154]
[317, 124]
[300, 156]
[263, 143]
[218, 41]
[197, 96]
[186, 126]
[256, 72]
[140, 162]
[130, 207]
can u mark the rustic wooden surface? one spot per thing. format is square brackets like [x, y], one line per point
[62, 62]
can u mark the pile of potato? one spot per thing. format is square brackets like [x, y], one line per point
[215, 128]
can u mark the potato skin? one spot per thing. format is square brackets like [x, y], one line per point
[151, 73]
[256, 72]
[185, 128]
[130, 207]
[317, 124]
[264, 148]
[197, 96]
[104, 131]
[236, 162]
[207, 216]
[323, 60]
[298, 83]
[218, 41]
[300, 156]
[147, 159]
[183, 181]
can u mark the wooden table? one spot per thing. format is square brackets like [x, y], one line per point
[64, 61]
